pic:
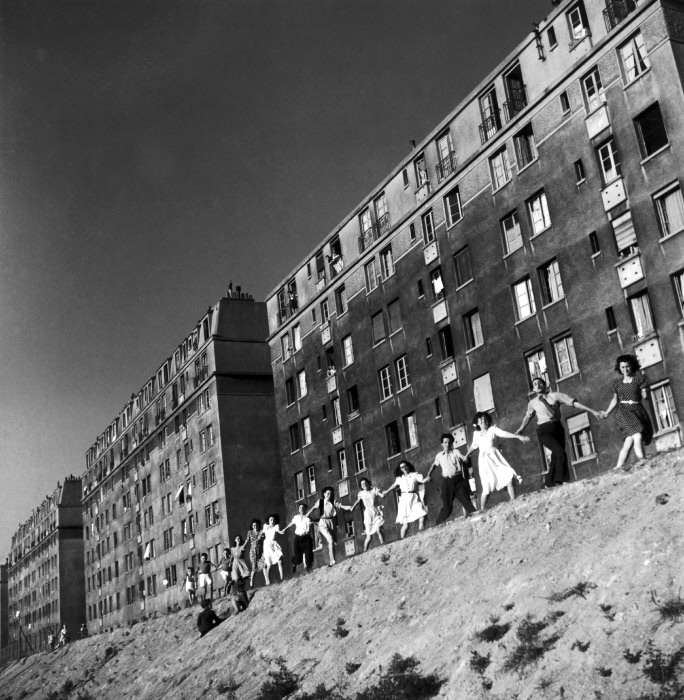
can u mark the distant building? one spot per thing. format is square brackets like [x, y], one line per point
[537, 230]
[185, 466]
[4, 609]
[45, 583]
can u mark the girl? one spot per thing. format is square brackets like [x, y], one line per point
[373, 519]
[273, 554]
[411, 506]
[327, 524]
[495, 472]
[189, 584]
[256, 549]
[239, 569]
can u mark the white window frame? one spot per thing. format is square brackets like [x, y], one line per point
[472, 326]
[664, 409]
[500, 169]
[302, 388]
[371, 275]
[306, 431]
[311, 478]
[633, 58]
[410, 426]
[512, 235]
[592, 89]
[427, 221]
[385, 383]
[386, 262]
[359, 456]
[347, 351]
[523, 298]
[299, 486]
[669, 205]
[537, 366]
[576, 24]
[297, 337]
[609, 161]
[538, 209]
[564, 354]
[453, 213]
[551, 283]
[402, 371]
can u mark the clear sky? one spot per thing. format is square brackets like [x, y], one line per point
[154, 150]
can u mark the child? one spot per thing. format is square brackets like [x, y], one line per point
[240, 600]
[189, 584]
[204, 580]
[224, 568]
[207, 619]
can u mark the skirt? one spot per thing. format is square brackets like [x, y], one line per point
[495, 472]
[272, 552]
[411, 507]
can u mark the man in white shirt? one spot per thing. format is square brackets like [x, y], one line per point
[454, 482]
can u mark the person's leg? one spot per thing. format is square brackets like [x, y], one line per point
[447, 499]
[366, 542]
[624, 452]
[548, 435]
[462, 494]
[638, 445]
[421, 523]
[381, 536]
[403, 531]
[280, 569]
[331, 544]
[267, 568]
[511, 490]
[483, 500]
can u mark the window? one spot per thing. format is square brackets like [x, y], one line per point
[452, 207]
[438, 408]
[405, 177]
[347, 351]
[290, 391]
[625, 235]
[421, 171]
[208, 522]
[581, 440]
[472, 327]
[385, 383]
[421, 291]
[592, 89]
[610, 319]
[577, 23]
[208, 477]
[295, 440]
[482, 393]
[499, 168]
[325, 311]
[299, 485]
[371, 275]
[428, 224]
[663, 407]
[412, 233]
[550, 282]
[297, 337]
[609, 161]
[445, 151]
[401, 368]
[381, 213]
[394, 316]
[337, 412]
[359, 456]
[386, 262]
[491, 117]
[353, 401]
[446, 343]
[378, 327]
[410, 431]
[392, 439]
[341, 300]
[202, 440]
[650, 130]
[306, 430]
[525, 148]
[536, 366]
[670, 208]
[642, 316]
[286, 346]
[311, 478]
[524, 299]
[633, 58]
[301, 384]
[342, 463]
[539, 213]
[565, 102]
[564, 352]
[678, 285]
[168, 539]
[428, 347]
[551, 35]
[462, 267]
[579, 172]
[437, 284]
[512, 236]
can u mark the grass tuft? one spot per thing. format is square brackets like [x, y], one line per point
[493, 632]
[531, 646]
[579, 590]
[479, 663]
[671, 609]
[281, 682]
[402, 681]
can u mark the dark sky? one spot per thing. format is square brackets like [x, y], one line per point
[153, 151]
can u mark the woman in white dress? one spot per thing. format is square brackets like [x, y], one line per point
[495, 472]
[411, 500]
[273, 554]
[373, 519]
[327, 523]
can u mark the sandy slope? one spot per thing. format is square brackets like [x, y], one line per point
[427, 597]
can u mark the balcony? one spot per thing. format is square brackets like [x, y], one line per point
[440, 311]
[320, 283]
[423, 191]
[430, 252]
[616, 11]
[337, 435]
[489, 127]
[598, 121]
[613, 194]
[449, 373]
[336, 265]
[375, 231]
[446, 166]
[326, 335]
[517, 101]
[630, 269]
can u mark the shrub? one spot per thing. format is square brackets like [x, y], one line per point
[281, 683]
[402, 681]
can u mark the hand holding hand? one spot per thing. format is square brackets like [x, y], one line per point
[523, 438]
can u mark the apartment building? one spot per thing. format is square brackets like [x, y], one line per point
[537, 230]
[183, 468]
[45, 583]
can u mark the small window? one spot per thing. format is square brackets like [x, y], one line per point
[610, 319]
[664, 408]
[452, 207]
[392, 439]
[678, 286]
[462, 267]
[353, 401]
[341, 300]
[642, 315]
[538, 209]
[446, 343]
[347, 351]
[405, 177]
[581, 439]
[428, 224]
[472, 326]
[565, 102]
[401, 368]
[301, 384]
[550, 282]
[564, 353]
[551, 35]
[609, 161]
[295, 440]
[428, 347]
[579, 172]
[386, 262]
[445, 152]
[437, 284]
[371, 275]
[525, 148]
[594, 243]
[359, 456]
[577, 23]
[341, 464]
[290, 391]
[633, 58]
[438, 408]
[420, 288]
[412, 233]
[512, 236]
[499, 169]
[650, 130]
[385, 383]
[592, 89]
[378, 327]
[535, 362]
[325, 311]
[523, 299]
[670, 208]
[410, 431]
[394, 316]
[336, 411]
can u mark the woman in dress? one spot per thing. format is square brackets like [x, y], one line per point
[412, 492]
[256, 549]
[303, 542]
[327, 523]
[630, 414]
[495, 472]
[273, 554]
[239, 568]
[373, 519]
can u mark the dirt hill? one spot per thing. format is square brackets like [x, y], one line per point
[569, 593]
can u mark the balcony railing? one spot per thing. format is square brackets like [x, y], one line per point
[375, 231]
[446, 166]
[616, 11]
[517, 101]
[489, 127]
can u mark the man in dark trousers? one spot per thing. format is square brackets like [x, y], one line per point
[207, 619]
[454, 481]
